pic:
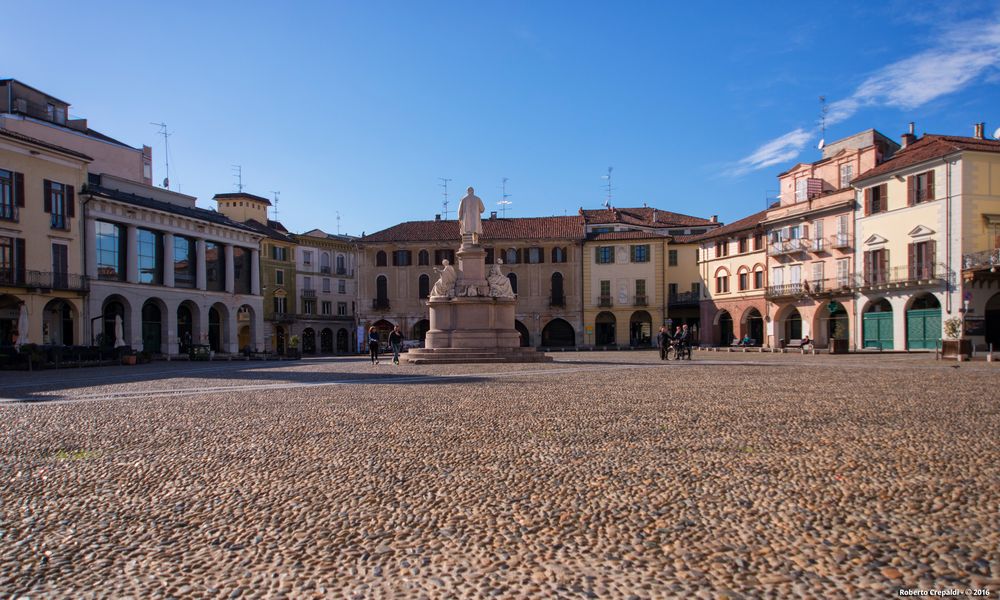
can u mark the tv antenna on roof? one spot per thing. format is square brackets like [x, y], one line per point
[823, 109]
[445, 203]
[237, 171]
[166, 151]
[504, 202]
[275, 204]
[338, 222]
[607, 203]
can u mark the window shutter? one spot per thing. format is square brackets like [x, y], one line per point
[884, 265]
[868, 201]
[520, 257]
[19, 189]
[883, 197]
[47, 196]
[869, 264]
[911, 193]
[931, 255]
[541, 255]
[930, 184]
[805, 231]
[19, 260]
[70, 202]
[912, 260]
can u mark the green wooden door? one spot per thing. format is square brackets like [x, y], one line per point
[877, 330]
[923, 328]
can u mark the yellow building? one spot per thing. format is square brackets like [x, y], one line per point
[41, 260]
[684, 283]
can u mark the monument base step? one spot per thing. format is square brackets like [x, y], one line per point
[457, 356]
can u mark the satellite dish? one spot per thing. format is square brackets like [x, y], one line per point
[820, 145]
[996, 134]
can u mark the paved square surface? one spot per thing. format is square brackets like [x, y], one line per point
[599, 475]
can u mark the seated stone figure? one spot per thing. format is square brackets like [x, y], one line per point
[499, 283]
[445, 286]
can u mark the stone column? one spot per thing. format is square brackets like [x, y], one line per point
[255, 272]
[230, 272]
[132, 254]
[168, 259]
[90, 261]
[200, 267]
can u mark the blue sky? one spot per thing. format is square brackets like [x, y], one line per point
[361, 107]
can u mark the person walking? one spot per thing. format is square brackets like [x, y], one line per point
[396, 342]
[373, 344]
[663, 342]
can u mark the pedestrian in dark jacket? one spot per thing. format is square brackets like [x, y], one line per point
[373, 344]
[663, 342]
[396, 343]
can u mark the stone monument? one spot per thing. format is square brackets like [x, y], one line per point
[472, 313]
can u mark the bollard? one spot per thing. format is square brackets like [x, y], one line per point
[989, 354]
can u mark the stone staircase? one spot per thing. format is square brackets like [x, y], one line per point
[457, 356]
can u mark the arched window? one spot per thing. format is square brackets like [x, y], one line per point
[558, 298]
[342, 264]
[424, 286]
[381, 292]
[722, 281]
[513, 281]
[324, 262]
[743, 277]
[380, 259]
[423, 258]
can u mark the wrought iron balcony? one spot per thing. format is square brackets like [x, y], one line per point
[309, 293]
[325, 269]
[640, 300]
[975, 261]
[918, 275]
[682, 298]
[380, 304]
[604, 301]
[816, 245]
[833, 286]
[45, 280]
[841, 241]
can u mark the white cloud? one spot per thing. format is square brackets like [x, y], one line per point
[963, 54]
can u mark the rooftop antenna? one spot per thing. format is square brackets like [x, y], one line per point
[444, 204]
[823, 109]
[275, 204]
[237, 171]
[166, 151]
[504, 202]
[607, 203]
[338, 222]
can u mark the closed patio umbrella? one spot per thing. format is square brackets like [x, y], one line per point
[119, 332]
[22, 327]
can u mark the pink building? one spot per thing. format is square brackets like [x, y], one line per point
[811, 243]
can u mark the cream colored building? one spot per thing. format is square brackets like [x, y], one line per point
[41, 262]
[924, 217]
[684, 282]
[325, 269]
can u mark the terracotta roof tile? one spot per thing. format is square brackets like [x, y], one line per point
[493, 229]
[646, 216]
[744, 224]
[929, 147]
[625, 235]
[270, 230]
[238, 195]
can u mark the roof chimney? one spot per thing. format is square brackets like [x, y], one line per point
[977, 130]
[437, 217]
[493, 214]
[714, 219]
[909, 137]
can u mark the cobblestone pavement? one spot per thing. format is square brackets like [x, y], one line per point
[603, 474]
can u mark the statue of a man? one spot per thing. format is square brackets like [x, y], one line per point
[469, 210]
[499, 283]
[445, 286]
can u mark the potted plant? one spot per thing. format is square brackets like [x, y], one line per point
[955, 345]
[129, 358]
[293, 347]
[839, 341]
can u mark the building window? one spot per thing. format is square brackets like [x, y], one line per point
[512, 256]
[308, 306]
[184, 262]
[876, 266]
[327, 308]
[324, 262]
[423, 287]
[401, 258]
[280, 305]
[843, 272]
[672, 290]
[921, 187]
[60, 266]
[846, 175]
[380, 259]
[744, 280]
[7, 192]
[672, 258]
[279, 253]
[150, 257]
[423, 257]
[307, 283]
[341, 309]
[921, 260]
[444, 254]
[215, 267]
[9, 273]
[758, 279]
[489, 256]
[513, 282]
[535, 256]
[640, 291]
[341, 286]
[241, 270]
[307, 257]
[722, 248]
[57, 201]
[605, 299]
[605, 255]
[279, 277]
[722, 284]
[110, 251]
[640, 253]
[326, 285]
[342, 265]
[758, 241]
[876, 199]
[558, 255]
[744, 245]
